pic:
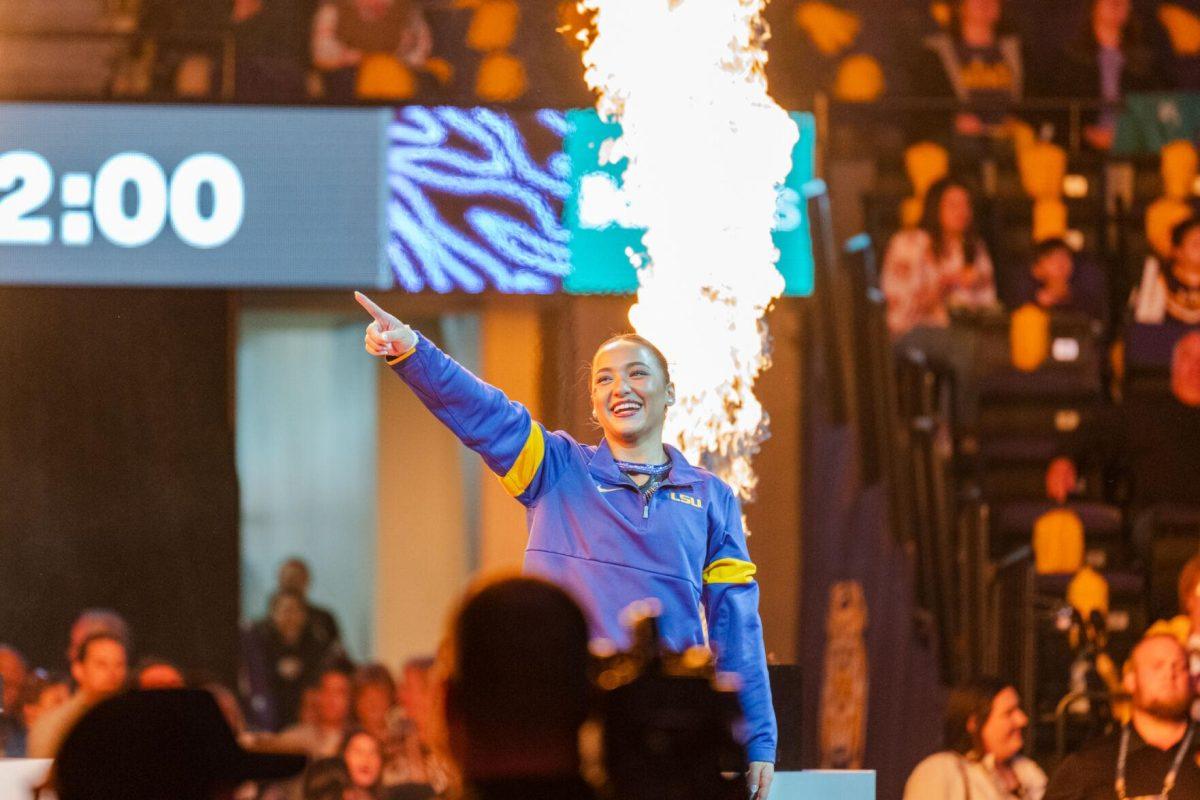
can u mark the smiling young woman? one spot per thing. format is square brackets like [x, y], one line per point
[616, 522]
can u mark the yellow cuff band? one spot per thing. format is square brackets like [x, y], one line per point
[394, 361]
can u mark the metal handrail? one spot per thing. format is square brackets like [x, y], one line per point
[829, 111]
[1060, 713]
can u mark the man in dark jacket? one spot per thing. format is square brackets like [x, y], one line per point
[281, 655]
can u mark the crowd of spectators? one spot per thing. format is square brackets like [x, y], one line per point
[500, 717]
[939, 274]
[979, 61]
[1149, 751]
[981, 67]
[983, 59]
[338, 51]
[297, 692]
[1101, 382]
[1141, 436]
[986, 56]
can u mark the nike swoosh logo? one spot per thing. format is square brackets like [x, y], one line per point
[606, 490]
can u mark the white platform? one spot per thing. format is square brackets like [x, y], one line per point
[818, 784]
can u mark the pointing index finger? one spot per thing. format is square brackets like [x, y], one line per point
[374, 310]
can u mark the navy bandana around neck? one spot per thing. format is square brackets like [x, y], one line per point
[656, 473]
[653, 470]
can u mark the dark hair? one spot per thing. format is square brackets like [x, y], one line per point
[1048, 246]
[81, 653]
[970, 701]
[644, 342]
[518, 655]
[1183, 228]
[359, 731]
[931, 218]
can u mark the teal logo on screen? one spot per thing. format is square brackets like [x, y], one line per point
[601, 235]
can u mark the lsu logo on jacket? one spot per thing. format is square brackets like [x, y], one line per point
[686, 499]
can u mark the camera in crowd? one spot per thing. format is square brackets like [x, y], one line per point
[667, 721]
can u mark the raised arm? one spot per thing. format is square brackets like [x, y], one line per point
[512, 444]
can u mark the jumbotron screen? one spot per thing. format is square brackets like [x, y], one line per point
[425, 199]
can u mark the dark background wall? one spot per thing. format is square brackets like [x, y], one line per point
[117, 481]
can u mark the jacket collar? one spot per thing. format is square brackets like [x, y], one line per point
[603, 467]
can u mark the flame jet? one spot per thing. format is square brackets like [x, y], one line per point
[706, 149]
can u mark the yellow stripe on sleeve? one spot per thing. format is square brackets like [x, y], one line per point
[526, 466]
[729, 570]
[391, 362]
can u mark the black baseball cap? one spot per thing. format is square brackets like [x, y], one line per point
[159, 743]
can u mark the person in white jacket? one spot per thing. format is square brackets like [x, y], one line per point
[984, 732]
[1172, 290]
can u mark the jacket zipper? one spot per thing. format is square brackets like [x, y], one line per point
[647, 498]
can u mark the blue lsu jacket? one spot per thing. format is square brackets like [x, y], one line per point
[591, 532]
